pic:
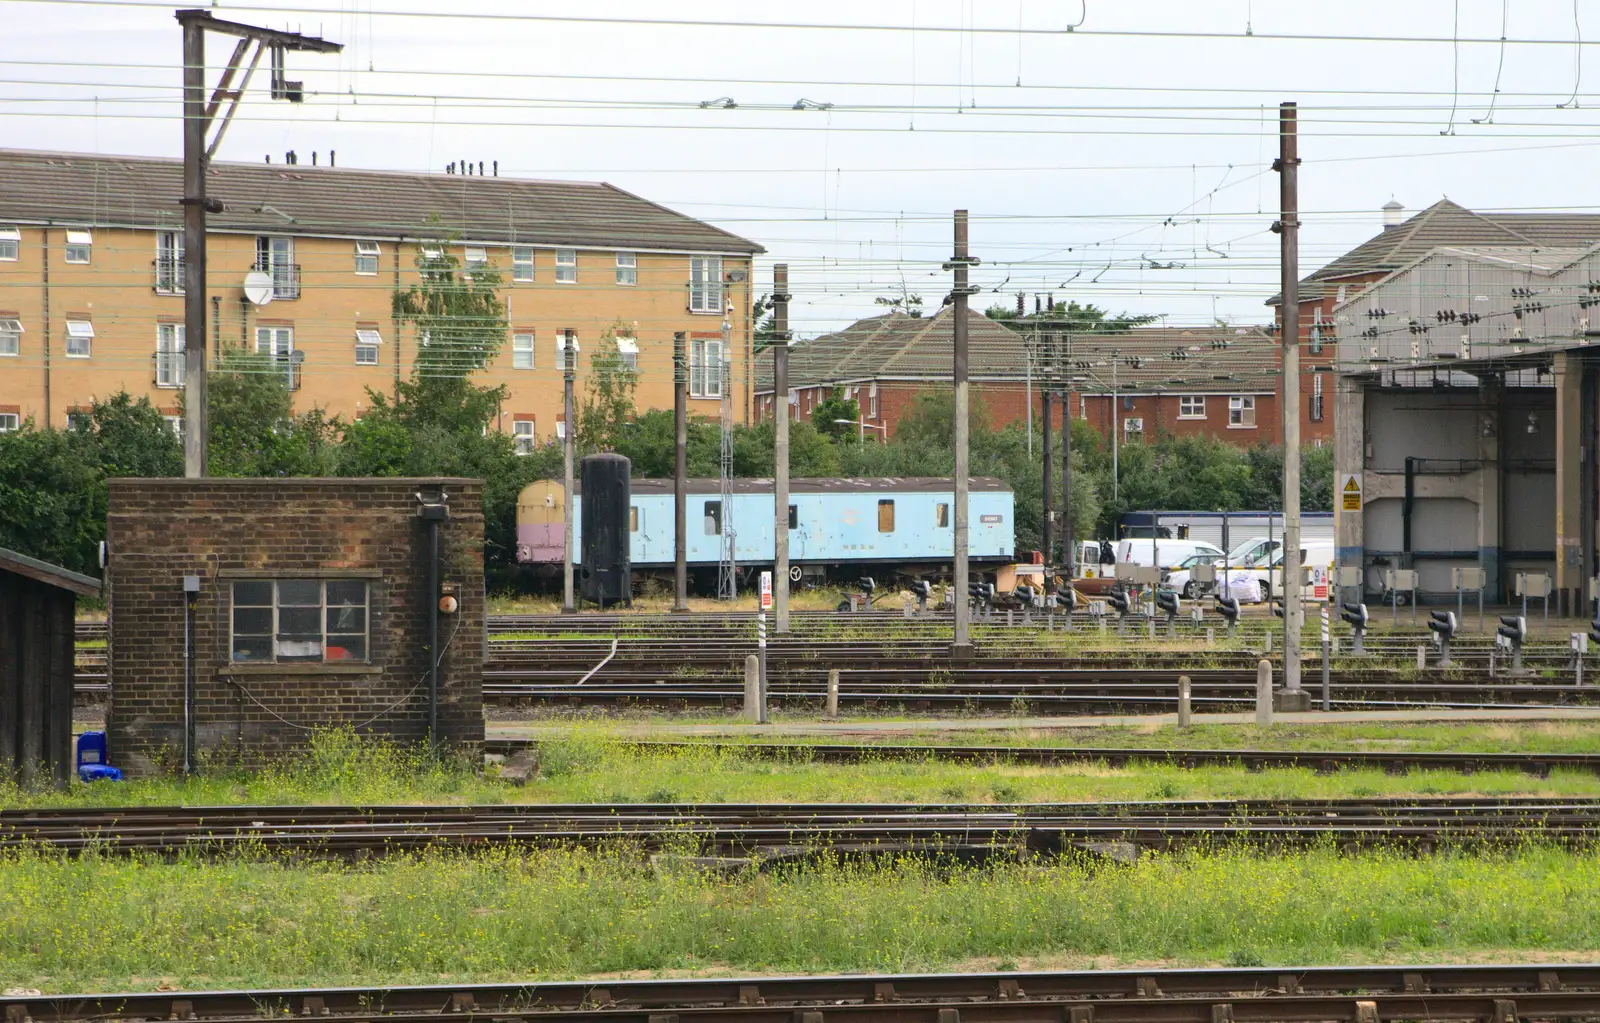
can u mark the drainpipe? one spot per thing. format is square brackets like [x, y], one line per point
[191, 598]
[44, 251]
[434, 511]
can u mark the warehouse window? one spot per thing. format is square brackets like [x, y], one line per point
[10, 243]
[522, 262]
[886, 516]
[941, 516]
[291, 620]
[79, 245]
[170, 357]
[566, 266]
[1242, 410]
[1192, 406]
[367, 259]
[80, 338]
[367, 342]
[705, 368]
[522, 438]
[713, 518]
[522, 351]
[705, 284]
[10, 337]
[627, 268]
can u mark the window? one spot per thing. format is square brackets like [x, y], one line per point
[80, 338]
[175, 424]
[10, 337]
[1191, 406]
[476, 258]
[10, 421]
[294, 620]
[705, 368]
[1242, 411]
[367, 342]
[566, 266]
[170, 357]
[79, 421]
[628, 353]
[522, 262]
[169, 263]
[10, 243]
[564, 338]
[633, 518]
[1316, 397]
[1316, 339]
[627, 268]
[705, 284]
[79, 245]
[713, 518]
[885, 516]
[367, 259]
[522, 437]
[561, 429]
[522, 351]
[941, 516]
[872, 401]
[275, 256]
[794, 516]
[278, 342]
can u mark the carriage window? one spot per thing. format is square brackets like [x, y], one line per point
[794, 516]
[633, 518]
[713, 518]
[941, 516]
[885, 516]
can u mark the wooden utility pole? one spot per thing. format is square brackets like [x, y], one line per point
[1288, 165]
[960, 262]
[198, 117]
[680, 472]
[780, 446]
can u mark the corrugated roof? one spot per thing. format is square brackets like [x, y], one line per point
[73, 188]
[900, 347]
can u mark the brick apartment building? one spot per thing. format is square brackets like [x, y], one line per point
[1217, 381]
[91, 282]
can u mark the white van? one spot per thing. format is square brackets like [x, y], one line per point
[1316, 559]
[1169, 554]
[1254, 552]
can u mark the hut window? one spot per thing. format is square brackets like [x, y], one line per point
[292, 620]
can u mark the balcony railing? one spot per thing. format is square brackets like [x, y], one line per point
[169, 275]
[285, 279]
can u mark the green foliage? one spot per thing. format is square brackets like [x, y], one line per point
[253, 428]
[831, 410]
[607, 412]
[1086, 318]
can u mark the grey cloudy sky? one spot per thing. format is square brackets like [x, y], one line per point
[1127, 170]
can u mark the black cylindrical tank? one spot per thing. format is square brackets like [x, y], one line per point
[606, 576]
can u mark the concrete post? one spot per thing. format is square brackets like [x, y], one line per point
[1264, 692]
[833, 692]
[1422, 656]
[780, 446]
[752, 689]
[1183, 701]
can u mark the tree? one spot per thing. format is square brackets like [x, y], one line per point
[607, 410]
[254, 430]
[460, 323]
[1086, 318]
[837, 416]
[904, 302]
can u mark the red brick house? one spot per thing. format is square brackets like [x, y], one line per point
[1218, 381]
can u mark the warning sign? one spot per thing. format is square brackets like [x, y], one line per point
[1350, 491]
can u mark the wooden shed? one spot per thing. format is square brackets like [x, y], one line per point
[37, 633]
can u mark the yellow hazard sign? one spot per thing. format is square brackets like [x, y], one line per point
[1350, 490]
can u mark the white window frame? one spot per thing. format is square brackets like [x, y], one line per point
[627, 269]
[1317, 409]
[705, 367]
[523, 438]
[368, 341]
[171, 354]
[276, 259]
[566, 266]
[10, 244]
[475, 257]
[561, 349]
[80, 336]
[522, 263]
[170, 268]
[524, 348]
[1238, 406]
[628, 353]
[175, 424]
[872, 401]
[367, 254]
[1191, 406]
[279, 345]
[10, 422]
[705, 285]
[80, 242]
[11, 338]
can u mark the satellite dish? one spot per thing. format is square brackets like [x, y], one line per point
[258, 287]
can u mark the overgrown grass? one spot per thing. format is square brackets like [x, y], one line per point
[591, 767]
[99, 924]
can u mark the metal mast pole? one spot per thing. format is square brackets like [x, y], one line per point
[1047, 527]
[780, 447]
[727, 568]
[680, 473]
[1289, 225]
[569, 358]
[1069, 542]
[960, 262]
[194, 248]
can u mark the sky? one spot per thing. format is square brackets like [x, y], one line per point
[1118, 154]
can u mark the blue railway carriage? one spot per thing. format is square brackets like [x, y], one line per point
[839, 528]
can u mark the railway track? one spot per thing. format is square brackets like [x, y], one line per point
[1322, 761]
[1346, 994]
[775, 832]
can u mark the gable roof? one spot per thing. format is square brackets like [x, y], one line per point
[906, 348]
[1447, 224]
[50, 575]
[113, 191]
